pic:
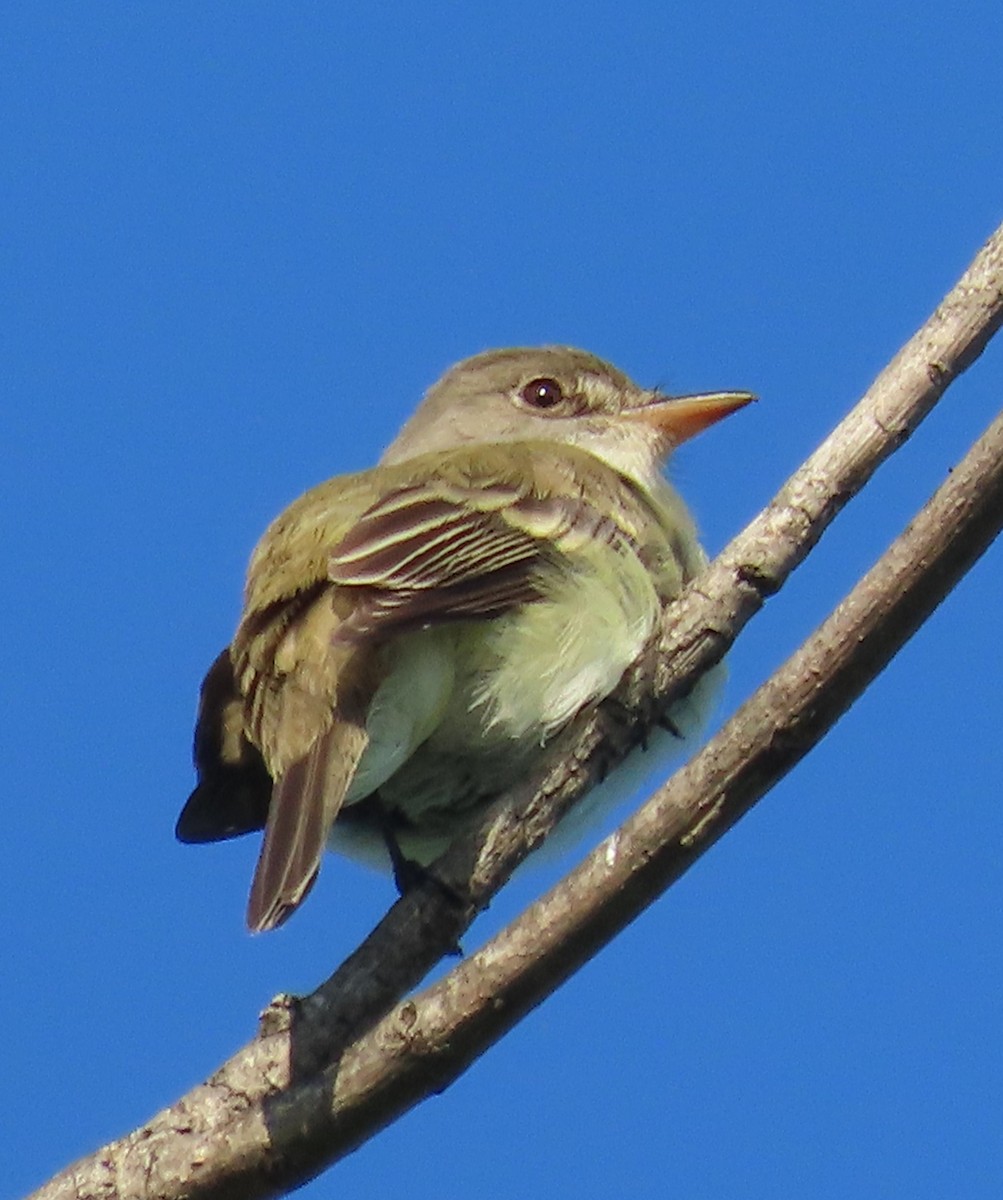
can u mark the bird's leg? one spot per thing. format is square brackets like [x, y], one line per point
[633, 710]
[407, 872]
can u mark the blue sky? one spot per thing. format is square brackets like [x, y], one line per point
[238, 242]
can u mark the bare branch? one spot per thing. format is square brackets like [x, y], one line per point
[302, 1093]
[427, 1041]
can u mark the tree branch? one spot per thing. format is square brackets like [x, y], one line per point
[427, 1041]
[325, 1072]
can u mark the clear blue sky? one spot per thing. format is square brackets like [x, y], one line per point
[238, 240]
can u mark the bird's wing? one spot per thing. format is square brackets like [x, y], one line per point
[305, 801]
[452, 546]
[304, 705]
[235, 795]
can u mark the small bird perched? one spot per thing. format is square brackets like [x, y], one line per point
[414, 634]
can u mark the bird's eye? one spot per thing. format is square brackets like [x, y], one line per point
[542, 393]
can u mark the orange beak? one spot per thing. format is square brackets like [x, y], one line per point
[681, 417]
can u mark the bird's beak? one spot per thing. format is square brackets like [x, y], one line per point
[681, 417]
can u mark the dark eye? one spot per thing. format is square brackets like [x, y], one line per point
[542, 393]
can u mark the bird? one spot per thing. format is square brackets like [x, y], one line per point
[415, 634]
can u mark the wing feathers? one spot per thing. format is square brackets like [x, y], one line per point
[427, 543]
[420, 556]
[305, 802]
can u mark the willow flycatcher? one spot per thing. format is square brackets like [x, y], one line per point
[414, 634]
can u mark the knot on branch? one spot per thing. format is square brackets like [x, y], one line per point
[757, 575]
